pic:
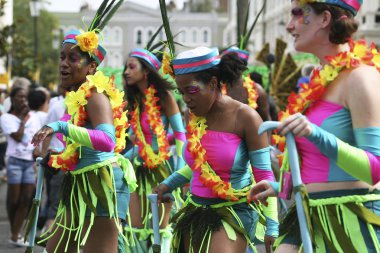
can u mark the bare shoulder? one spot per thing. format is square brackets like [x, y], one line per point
[97, 98]
[169, 104]
[247, 114]
[363, 77]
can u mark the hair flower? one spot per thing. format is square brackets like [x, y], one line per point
[88, 42]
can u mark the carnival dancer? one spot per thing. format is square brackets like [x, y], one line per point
[338, 132]
[153, 109]
[216, 216]
[98, 181]
[238, 84]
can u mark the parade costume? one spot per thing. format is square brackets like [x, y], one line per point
[98, 180]
[220, 179]
[339, 220]
[151, 156]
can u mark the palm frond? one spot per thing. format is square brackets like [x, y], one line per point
[151, 40]
[104, 14]
[248, 34]
[165, 21]
[110, 14]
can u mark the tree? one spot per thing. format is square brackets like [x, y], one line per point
[22, 48]
[6, 33]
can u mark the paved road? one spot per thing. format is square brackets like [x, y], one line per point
[5, 247]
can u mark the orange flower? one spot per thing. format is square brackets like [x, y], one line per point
[151, 158]
[196, 129]
[253, 94]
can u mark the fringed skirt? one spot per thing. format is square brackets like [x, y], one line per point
[200, 217]
[97, 190]
[341, 221]
[147, 179]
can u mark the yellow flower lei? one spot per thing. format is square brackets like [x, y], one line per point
[76, 102]
[196, 129]
[252, 92]
[146, 152]
[358, 54]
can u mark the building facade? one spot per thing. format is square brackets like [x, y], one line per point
[204, 23]
[133, 25]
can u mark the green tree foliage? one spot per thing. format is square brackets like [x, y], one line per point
[23, 44]
[5, 35]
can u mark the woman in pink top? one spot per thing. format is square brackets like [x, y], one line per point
[338, 132]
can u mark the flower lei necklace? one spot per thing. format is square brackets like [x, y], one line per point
[252, 92]
[151, 159]
[208, 177]
[76, 102]
[358, 54]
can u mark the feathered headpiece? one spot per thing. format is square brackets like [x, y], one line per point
[88, 41]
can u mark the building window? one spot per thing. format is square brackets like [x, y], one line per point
[150, 34]
[117, 35]
[195, 36]
[377, 16]
[107, 35]
[139, 37]
[182, 36]
[117, 60]
[205, 36]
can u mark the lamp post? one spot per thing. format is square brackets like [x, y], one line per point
[35, 13]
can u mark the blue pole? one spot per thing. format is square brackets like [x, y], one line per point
[37, 200]
[297, 181]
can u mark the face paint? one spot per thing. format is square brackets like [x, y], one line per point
[306, 14]
[193, 88]
[82, 62]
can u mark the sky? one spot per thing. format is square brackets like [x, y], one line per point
[74, 5]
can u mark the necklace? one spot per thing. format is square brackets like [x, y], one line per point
[146, 152]
[250, 87]
[357, 54]
[76, 102]
[208, 177]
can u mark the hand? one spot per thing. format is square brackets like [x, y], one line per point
[297, 124]
[161, 190]
[24, 112]
[260, 192]
[269, 241]
[41, 135]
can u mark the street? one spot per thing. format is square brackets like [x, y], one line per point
[5, 247]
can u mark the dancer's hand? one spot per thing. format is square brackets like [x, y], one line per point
[269, 241]
[260, 192]
[297, 124]
[161, 190]
[41, 135]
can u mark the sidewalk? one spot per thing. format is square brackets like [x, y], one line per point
[4, 226]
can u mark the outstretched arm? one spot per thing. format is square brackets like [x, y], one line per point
[100, 114]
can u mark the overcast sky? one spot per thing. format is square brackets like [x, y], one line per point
[73, 5]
